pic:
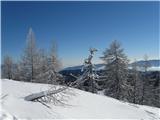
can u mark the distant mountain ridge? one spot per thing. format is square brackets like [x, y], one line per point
[79, 67]
[153, 63]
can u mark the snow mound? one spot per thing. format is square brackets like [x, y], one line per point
[81, 105]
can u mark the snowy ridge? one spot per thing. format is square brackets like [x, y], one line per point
[153, 63]
[81, 105]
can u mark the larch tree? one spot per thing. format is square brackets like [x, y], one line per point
[151, 90]
[42, 66]
[136, 83]
[7, 68]
[17, 72]
[51, 67]
[49, 74]
[116, 69]
[145, 83]
[29, 59]
[146, 64]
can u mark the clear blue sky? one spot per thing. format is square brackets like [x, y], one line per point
[76, 26]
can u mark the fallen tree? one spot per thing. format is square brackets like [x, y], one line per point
[57, 93]
[36, 96]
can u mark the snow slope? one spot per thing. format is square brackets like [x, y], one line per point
[81, 105]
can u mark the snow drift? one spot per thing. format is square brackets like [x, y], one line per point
[81, 105]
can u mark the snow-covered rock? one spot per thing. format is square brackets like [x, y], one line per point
[81, 105]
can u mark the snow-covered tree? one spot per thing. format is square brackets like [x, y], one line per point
[29, 59]
[89, 74]
[7, 68]
[49, 74]
[54, 57]
[41, 66]
[156, 92]
[17, 71]
[137, 84]
[145, 83]
[151, 90]
[53, 66]
[146, 64]
[48, 66]
[58, 94]
[116, 70]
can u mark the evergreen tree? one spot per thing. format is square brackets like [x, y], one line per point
[116, 70]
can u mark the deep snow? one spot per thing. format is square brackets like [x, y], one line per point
[81, 105]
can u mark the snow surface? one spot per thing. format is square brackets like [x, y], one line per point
[80, 105]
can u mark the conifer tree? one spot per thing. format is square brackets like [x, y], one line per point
[136, 83]
[29, 59]
[116, 69]
[7, 68]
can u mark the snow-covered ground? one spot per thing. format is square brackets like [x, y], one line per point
[81, 105]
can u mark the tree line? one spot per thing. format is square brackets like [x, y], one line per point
[35, 65]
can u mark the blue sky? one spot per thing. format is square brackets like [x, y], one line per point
[77, 26]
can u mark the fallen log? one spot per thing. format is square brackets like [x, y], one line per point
[36, 96]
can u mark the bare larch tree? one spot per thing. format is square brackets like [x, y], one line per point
[7, 68]
[29, 59]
